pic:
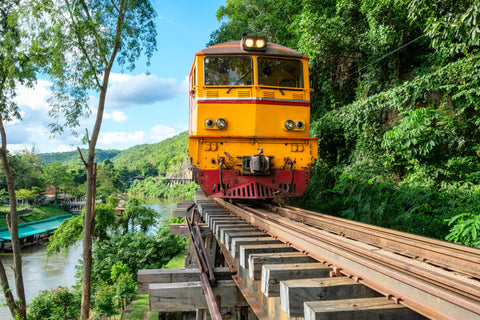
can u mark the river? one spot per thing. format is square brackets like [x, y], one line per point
[60, 270]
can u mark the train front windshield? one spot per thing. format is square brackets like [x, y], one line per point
[280, 72]
[237, 71]
[228, 71]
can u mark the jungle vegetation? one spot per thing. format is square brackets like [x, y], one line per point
[154, 163]
[395, 106]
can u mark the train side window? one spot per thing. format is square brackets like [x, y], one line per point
[194, 80]
[280, 72]
[228, 71]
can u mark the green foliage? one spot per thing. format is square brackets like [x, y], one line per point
[57, 304]
[261, 17]
[140, 309]
[73, 158]
[452, 25]
[162, 158]
[31, 213]
[465, 230]
[137, 250]
[405, 158]
[17, 64]
[82, 40]
[151, 188]
[136, 216]
[69, 232]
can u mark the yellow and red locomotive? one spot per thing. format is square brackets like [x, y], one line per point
[249, 120]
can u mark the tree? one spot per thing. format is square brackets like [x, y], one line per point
[136, 215]
[16, 67]
[26, 168]
[451, 24]
[56, 304]
[56, 174]
[84, 39]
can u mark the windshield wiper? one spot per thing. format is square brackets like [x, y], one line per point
[273, 83]
[238, 81]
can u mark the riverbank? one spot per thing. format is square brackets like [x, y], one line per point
[31, 233]
[31, 213]
[60, 270]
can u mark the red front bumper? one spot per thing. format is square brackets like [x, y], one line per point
[277, 185]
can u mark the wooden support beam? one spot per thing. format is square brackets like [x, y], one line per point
[149, 276]
[188, 296]
[272, 274]
[181, 213]
[184, 204]
[293, 293]
[359, 309]
[237, 242]
[208, 218]
[223, 229]
[182, 231]
[216, 223]
[257, 261]
[247, 250]
[219, 228]
[205, 207]
[229, 236]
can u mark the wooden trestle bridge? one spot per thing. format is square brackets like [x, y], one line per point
[260, 261]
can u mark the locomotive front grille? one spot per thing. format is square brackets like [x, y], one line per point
[243, 94]
[211, 94]
[268, 94]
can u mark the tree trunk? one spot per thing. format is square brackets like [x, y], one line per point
[89, 224]
[20, 306]
[91, 174]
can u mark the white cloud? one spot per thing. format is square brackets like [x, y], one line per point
[161, 132]
[116, 116]
[65, 148]
[34, 98]
[109, 138]
[142, 89]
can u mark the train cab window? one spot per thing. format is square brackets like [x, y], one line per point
[228, 71]
[280, 72]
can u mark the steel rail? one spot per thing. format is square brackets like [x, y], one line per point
[363, 263]
[441, 253]
[206, 272]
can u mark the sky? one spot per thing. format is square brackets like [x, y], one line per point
[139, 108]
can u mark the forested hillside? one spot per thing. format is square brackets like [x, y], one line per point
[163, 158]
[395, 106]
[74, 158]
[167, 157]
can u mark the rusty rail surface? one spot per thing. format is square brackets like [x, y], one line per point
[207, 276]
[437, 279]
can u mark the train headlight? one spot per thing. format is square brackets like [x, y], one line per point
[209, 123]
[249, 42]
[254, 43]
[300, 125]
[221, 123]
[289, 125]
[260, 43]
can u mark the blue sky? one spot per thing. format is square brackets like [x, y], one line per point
[140, 108]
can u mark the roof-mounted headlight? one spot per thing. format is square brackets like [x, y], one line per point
[254, 43]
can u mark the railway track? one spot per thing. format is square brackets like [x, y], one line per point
[437, 279]
[291, 263]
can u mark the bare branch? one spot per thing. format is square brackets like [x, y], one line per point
[97, 37]
[81, 44]
[115, 6]
[81, 156]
